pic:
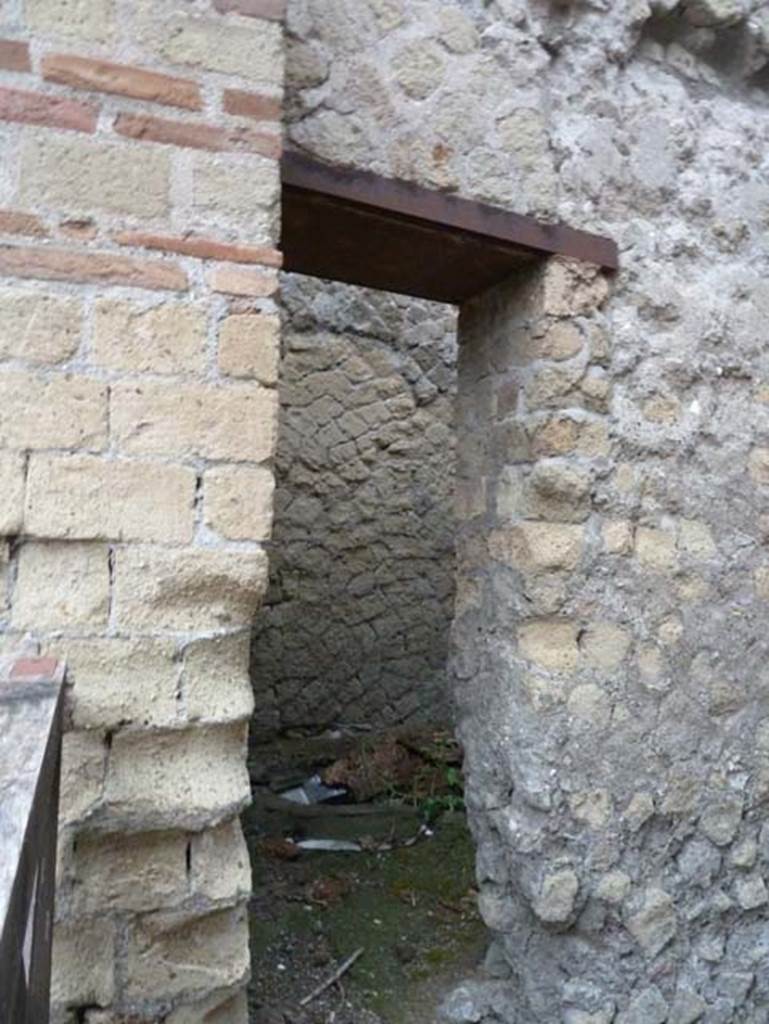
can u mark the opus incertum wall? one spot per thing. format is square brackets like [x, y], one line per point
[139, 193]
[611, 630]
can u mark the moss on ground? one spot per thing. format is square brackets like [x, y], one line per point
[411, 909]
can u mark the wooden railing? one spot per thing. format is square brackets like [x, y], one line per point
[30, 751]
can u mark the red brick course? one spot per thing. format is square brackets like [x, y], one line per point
[14, 223]
[48, 111]
[121, 79]
[35, 670]
[251, 104]
[197, 136]
[201, 248]
[14, 56]
[85, 266]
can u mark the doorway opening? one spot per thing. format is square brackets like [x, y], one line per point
[354, 628]
[360, 850]
[349, 667]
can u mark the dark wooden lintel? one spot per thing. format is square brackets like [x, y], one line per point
[349, 225]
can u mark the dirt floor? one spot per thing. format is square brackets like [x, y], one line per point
[411, 909]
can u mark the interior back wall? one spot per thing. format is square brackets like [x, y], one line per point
[355, 627]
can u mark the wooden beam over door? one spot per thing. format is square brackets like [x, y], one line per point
[354, 226]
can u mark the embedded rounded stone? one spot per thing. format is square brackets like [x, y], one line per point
[744, 854]
[656, 549]
[604, 645]
[648, 1007]
[461, 1008]
[559, 491]
[758, 466]
[306, 65]
[696, 539]
[554, 903]
[699, 861]
[552, 644]
[562, 340]
[639, 810]
[418, 69]
[687, 1008]
[613, 887]
[592, 807]
[654, 925]
[572, 1016]
[715, 12]
[457, 32]
[721, 820]
[590, 706]
[751, 892]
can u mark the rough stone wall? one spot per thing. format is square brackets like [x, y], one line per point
[138, 410]
[356, 619]
[451, 95]
[611, 638]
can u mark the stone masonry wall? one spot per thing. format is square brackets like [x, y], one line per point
[611, 640]
[139, 194]
[356, 619]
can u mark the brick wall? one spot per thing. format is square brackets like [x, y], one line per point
[138, 355]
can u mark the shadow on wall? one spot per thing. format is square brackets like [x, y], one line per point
[355, 625]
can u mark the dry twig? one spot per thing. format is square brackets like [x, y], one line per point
[342, 969]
